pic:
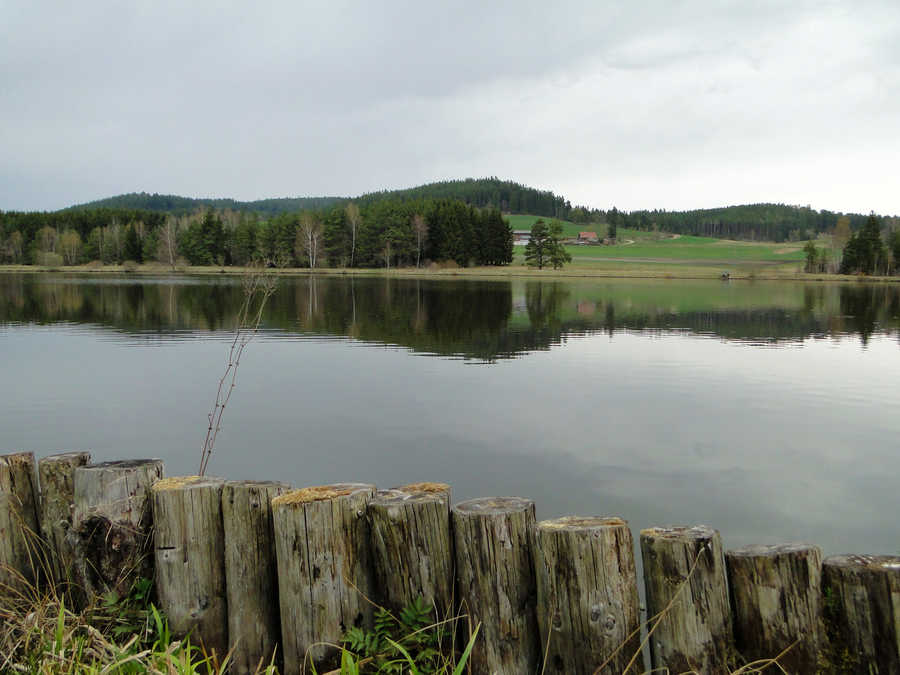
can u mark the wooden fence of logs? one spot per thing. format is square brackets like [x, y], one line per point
[266, 569]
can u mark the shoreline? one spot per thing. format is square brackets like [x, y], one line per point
[662, 270]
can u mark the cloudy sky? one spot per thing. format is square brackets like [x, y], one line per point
[669, 104]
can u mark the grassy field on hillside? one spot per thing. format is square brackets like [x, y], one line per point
[650, 247]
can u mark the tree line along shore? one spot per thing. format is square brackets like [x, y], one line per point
[452, 223]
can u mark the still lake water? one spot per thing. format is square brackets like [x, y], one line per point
[768, 410]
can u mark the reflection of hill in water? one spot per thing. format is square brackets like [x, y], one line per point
[471, 319]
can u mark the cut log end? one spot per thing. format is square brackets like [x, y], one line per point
[124, 464]
[185, 483]
[320, 493]
[870, 563]
[78, 458]
[424, 487]
[581, 524]
[490, 506]
[696, 533]
[771, 551]
[396, 497]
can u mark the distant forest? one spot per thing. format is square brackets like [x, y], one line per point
[459, 221]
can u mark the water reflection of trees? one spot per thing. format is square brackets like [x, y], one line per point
[473, 319]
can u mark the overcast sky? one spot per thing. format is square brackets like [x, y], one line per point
[639, 105]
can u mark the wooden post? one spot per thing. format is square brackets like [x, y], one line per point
[684, 577]
[111, 524]
[495, 575]
[57, 478]
[776, 602]
[324, 570]
[190, 558]
[19, 527]
[412, 555]
[862, 612]
[251, 573]
[587, 596]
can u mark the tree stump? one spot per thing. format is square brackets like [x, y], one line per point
[495, 575]
[111, 524]
[776, 602]
[19, 525]
[684, 566]
[412, 555]
[251, 573]
[862, 612]
[587, 594]
[57, 478]
[324, 570]
[190, 558]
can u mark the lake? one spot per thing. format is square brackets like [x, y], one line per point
[768, 410]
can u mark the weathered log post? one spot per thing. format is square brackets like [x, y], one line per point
[190, 558]
[412, 555]
[324, 570]
[862, 612]
[684, 578]
[776, 596]
[111, 533]
[57, 479]
[587, 596]
[251, 573]
[495, 575]
[19, 524]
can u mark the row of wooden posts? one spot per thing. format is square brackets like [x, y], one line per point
[266, 569]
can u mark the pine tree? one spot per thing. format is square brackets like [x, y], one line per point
[539, 246]
[132, 248]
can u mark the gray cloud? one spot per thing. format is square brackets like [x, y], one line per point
[670, 104]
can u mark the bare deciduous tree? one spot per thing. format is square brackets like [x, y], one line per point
[386, 253]
[309, 234]
[259, 283]
[46, 239]
[353, 221]
[168, 242]
[70, 246]
[15, 247]
[839, 238]
[420, 227]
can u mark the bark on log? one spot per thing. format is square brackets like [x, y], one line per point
[412, 555]
[19, 525]
[111, 534]
[251, 573]
[57, 478]
[862, 612]
[587, 594]
[695, 632]
[324, 570]
[495, 574]
[190, 558]
[776, 596]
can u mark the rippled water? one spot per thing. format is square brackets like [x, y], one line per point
[768, 410]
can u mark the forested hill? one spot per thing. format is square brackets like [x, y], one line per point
[770, 222]
[505, 195]
[480, 192]
[180, 206]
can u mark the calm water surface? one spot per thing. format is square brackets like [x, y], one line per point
[768, 410]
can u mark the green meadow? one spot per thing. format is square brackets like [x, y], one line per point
[660, 247]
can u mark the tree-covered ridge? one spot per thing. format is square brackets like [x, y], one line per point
[767, 222]
[504, 195]
[177, 205]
